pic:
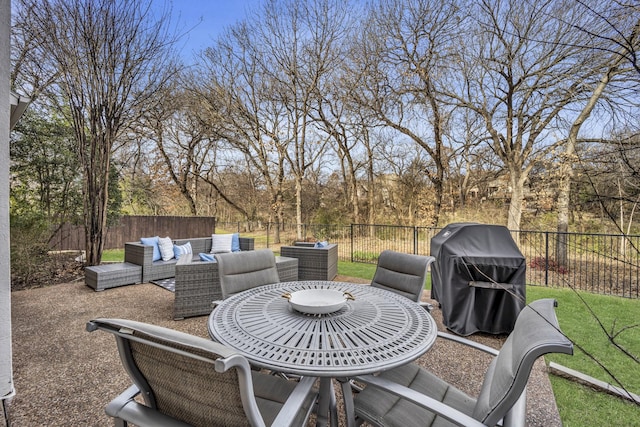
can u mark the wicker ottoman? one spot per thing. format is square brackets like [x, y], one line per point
[105, 276]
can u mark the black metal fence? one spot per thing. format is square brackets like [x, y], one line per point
[599, 263]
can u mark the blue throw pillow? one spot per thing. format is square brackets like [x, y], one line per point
[152, 241]
[179, 250]
[235, 242]
[321, 244]
[206, 257]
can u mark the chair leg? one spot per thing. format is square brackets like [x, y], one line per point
[347, 395]
[355, 386]
[517, 415]
[5, 413]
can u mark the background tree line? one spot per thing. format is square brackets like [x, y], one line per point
[392, 111]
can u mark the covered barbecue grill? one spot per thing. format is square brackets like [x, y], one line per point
[478, 278]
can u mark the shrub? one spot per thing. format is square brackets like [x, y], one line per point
[542, 263]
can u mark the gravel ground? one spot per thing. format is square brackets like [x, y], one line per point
[65, 376]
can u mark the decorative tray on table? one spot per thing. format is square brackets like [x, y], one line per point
[318, 301]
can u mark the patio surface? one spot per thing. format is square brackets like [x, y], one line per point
[65, 376]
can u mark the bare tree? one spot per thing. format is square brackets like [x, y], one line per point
[184, 142]
[110, 57]
[615, 32]
[301, 45]
[519, 72]
[239, 100]
[404, 48]
[334, 116]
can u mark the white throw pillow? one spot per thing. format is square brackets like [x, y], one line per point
[221, 243]
[166, 248]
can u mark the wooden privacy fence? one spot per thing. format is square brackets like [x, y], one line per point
[132, 228]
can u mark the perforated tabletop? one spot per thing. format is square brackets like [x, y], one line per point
[378, 331]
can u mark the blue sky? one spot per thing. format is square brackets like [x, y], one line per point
[204, 20]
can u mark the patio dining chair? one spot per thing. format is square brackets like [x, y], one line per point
[404, 274]
[239, 271]
[412, 396]
[186, 380]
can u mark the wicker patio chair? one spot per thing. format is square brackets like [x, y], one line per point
[186, 380]
[404, 274]
[245, 270]
[410, 395]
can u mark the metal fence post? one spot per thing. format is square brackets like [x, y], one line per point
[268, 232]
[546, 258]
[351, 231]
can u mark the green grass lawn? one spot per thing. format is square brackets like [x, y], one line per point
[588, 320]
[113, 255]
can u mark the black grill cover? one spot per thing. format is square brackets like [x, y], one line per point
[478, 278]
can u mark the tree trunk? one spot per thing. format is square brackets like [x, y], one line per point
[299, 207]
[517, 200]
[568, 160]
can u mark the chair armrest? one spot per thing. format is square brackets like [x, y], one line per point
[124, 407]
[291, 408]
[137, 253]
[115, 406]
[468, 342]
[184, 259]
[420, 399]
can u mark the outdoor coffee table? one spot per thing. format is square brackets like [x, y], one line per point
[379, 330]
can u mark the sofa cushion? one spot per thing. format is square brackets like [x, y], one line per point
[180, 250]
[166, 248]
[206, 257]
[221, 243]
[152, 241]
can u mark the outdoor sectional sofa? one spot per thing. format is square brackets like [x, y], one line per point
[197, 284]
[142, 255]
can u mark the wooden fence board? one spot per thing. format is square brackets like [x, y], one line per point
[132, 228]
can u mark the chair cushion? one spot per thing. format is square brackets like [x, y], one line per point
[536, 332]
[245, 270]
[375, 404]
[152, 241]
[402, 273]
[271, 393]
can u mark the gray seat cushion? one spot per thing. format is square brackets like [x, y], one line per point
[402, 273]
[245, 270]
[375, 403]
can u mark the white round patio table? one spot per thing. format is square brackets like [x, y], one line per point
[378, 330]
